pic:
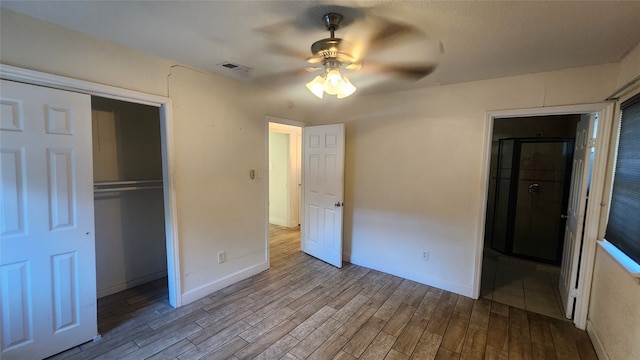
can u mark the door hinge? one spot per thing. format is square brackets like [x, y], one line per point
[573, 293]
[591, 143]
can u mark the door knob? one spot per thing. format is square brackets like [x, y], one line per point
[338, 204]
[563, 216]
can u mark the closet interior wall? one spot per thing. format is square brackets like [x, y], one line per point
[128, 198]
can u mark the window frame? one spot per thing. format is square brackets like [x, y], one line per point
[632, 265]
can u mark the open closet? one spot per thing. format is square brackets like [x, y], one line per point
[128, 195]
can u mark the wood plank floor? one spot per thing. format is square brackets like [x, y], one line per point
[304, 308]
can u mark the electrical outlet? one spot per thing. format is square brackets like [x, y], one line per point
[424, 255]
[221, 257]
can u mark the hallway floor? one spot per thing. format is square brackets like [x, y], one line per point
[522, 284]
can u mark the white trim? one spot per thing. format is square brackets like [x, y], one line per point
[594, 207]
[632, 267]
[551, 110]
[170, 205]
[595, 340]
[8, 72]
[594, 211]
[267, 253]
[206, 289]
[484, 190]
[273, 119]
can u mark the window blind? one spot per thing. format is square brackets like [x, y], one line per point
[623, 228]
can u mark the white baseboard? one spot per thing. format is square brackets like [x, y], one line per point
[131, 283]
[206, 289]
[460, 289]
[595, 340]
[278, 222]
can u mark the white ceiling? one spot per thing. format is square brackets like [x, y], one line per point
[482, 39]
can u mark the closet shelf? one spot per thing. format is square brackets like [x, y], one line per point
[126, 185]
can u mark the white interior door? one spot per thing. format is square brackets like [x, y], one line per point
[323, 188]
[576, 212]
[47, 261]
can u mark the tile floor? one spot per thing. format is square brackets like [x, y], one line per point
[522, 284]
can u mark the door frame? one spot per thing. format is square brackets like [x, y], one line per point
[273, 119]
[594, 207]
[164, 104]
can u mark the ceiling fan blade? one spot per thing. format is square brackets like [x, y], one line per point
[281, 49]
[356, 66]
[387, 32]
[315, 59]
[413, 72]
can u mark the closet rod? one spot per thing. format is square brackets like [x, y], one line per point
[125, 182]
[126, 188]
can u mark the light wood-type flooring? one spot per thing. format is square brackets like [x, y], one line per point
[303, 308]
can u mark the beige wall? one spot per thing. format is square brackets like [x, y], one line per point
[614, 308]
[218, 139]
[219, 134]
[279, 178]
[413, 177]
[37, 45]
[614, 316]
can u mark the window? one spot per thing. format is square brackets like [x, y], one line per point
[623, 228]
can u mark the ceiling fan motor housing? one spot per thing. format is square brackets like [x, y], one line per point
[327, 48]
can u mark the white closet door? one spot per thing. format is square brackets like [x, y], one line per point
[47, 261]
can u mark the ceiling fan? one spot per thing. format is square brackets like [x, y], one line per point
[333, 54]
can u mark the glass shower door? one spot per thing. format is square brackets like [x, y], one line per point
[541, 198]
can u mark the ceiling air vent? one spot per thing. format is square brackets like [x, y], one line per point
[236, 67]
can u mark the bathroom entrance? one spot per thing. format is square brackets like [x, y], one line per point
[528, 192]
[531, 195]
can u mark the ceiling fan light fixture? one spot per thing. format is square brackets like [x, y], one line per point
[332, 83]
[316, 86]
[346, 89]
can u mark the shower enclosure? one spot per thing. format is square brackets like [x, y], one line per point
[532, 191]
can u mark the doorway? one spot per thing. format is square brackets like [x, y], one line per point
[585, 249]
[528, 192]
[284, 161]
[320, 189]
[128, 197]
